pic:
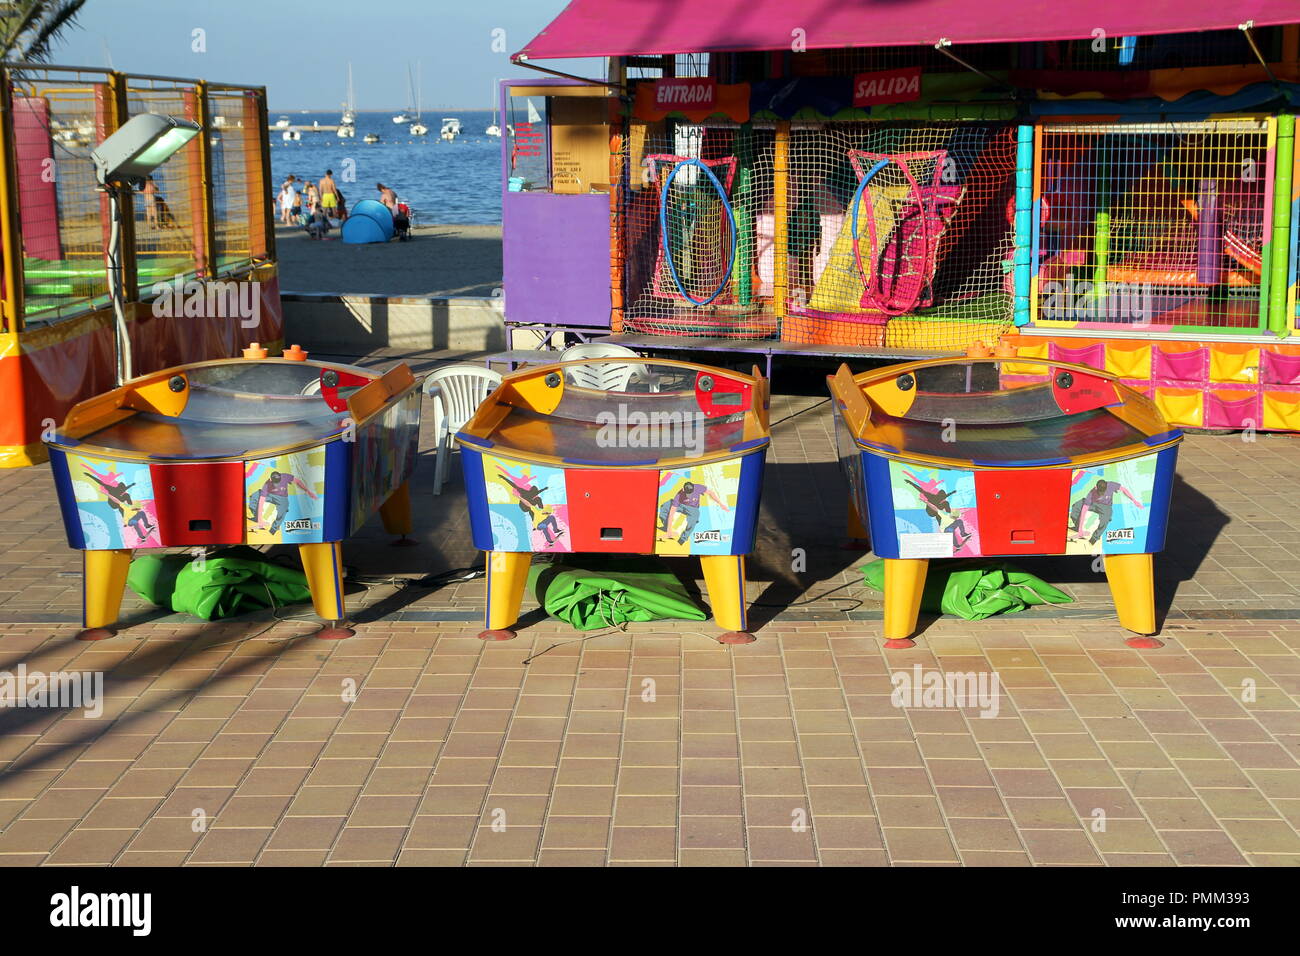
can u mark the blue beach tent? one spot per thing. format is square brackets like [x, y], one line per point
[368, 221]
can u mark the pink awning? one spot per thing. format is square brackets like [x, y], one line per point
[655, 27]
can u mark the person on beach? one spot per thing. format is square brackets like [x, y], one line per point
[150, 192]
[288, 202]
[318, 226]
[401, 221]
[328, 193]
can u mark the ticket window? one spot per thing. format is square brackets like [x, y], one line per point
[558, 141]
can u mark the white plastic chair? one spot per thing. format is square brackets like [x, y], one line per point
[457, 391]
[602, 376]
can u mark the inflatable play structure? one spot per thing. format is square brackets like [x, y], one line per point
[368, 221]
[1129, 202]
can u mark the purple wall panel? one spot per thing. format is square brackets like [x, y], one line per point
[556, 258]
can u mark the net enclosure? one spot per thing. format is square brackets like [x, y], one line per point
[857, 234]
[1153, 224]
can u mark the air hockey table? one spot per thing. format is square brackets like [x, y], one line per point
[622, 455]
[965, 457]
[235, 451]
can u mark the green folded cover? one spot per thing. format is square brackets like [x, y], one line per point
[611, 592]
[974, 589]
[229, 582]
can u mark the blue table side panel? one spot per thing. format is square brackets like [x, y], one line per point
[748, 496]
[880, 506]
[67, 500]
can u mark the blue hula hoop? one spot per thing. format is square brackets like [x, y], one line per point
[857, 193]
[663, 231]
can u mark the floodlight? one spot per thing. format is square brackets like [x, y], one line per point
[142, 144]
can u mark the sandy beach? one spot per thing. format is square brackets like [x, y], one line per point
[437, 261]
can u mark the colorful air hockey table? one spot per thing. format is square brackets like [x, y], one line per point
[964, 457]
[235, 451]
[623, 455]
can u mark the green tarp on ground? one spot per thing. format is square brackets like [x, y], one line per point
[611, 592]
[974, 590]
[229, 582]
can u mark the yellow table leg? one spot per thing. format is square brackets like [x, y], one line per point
[396, 511]
[103, 583]
[1132, 585]
[724, 578]
[507, 573]
[904, 583]
[323, 564]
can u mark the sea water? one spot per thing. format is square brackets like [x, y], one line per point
[446, 183]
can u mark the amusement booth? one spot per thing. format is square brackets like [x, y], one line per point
[1113, 187]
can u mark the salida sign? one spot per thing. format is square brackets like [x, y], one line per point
[690, 93]
[888, 86]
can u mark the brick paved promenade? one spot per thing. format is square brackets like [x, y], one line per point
[656, 745]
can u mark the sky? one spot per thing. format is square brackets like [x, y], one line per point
[299, 49]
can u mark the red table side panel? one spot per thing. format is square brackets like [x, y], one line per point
[1023, 512]
[612, 510]
[199, 503]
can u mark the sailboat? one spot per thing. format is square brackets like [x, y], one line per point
[494, 129]
[417, 128]
[348, 123]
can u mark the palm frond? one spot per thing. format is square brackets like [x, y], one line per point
[17, 23]
[27, 32]
[59, 16]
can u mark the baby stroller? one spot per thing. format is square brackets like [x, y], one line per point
[402, 221]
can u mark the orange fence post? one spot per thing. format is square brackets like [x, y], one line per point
[197, 181]
[256, 178]
[9, 222]
[264, 143]
[781, 222]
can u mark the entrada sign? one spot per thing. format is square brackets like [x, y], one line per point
[888, 86]
[691, 93]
